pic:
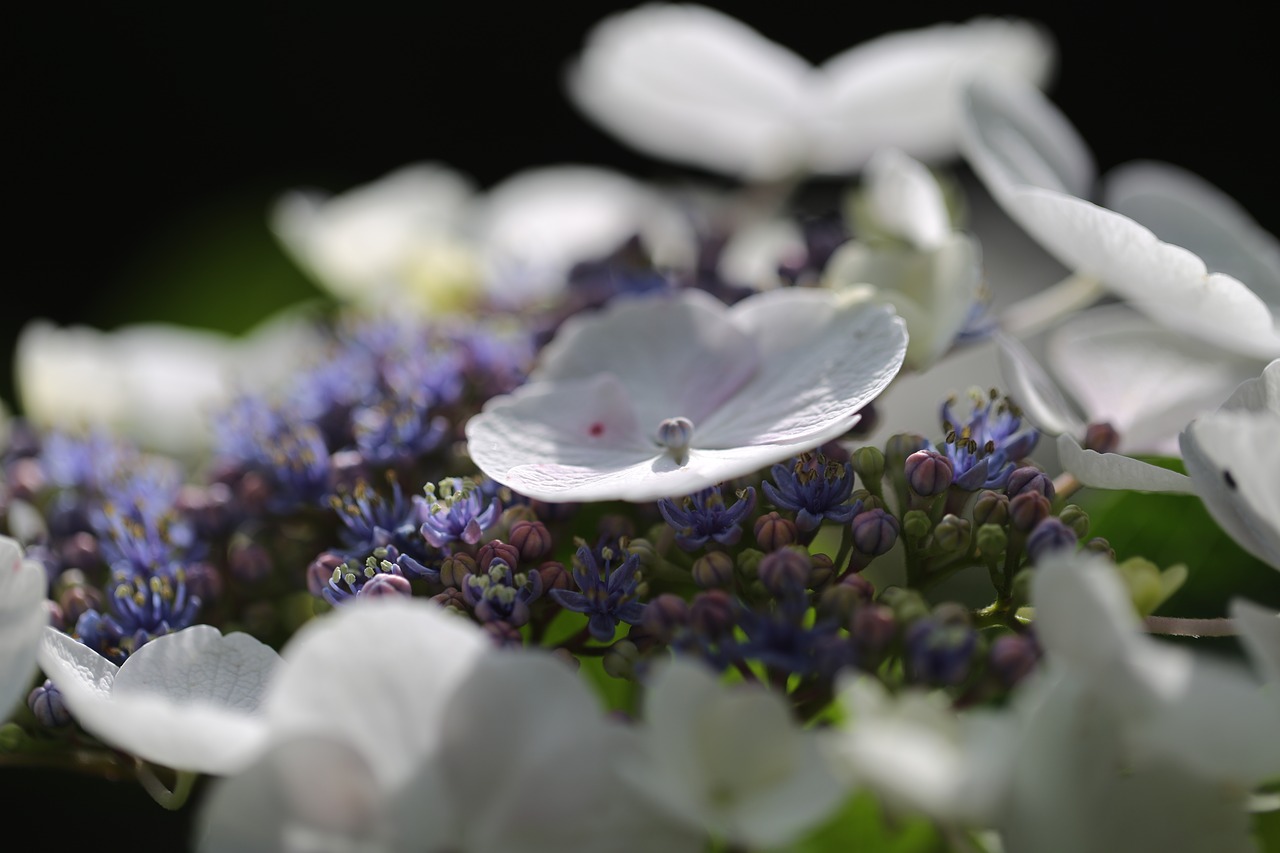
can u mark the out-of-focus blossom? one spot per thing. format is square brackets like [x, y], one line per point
[158, 385]
[422, 237]
[1035, 165]
[697, 86]
[22, 619]
[188, 700]
[730, 759]
[396, 726]
[1125, 370]
[930, 274]
[667, 396]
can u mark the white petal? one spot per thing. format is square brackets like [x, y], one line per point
[188, 701]
[676, 356]
[1113, 471]
[901, 90]
[1166, 282]
[906, 200]
[1260, 393]
[1145, 380]
[1259, 629]
[358, 242]
[378, 675]
[694, 85]
[1185, 210]
[1233, 458]
[731, 758]
[1034, 392]
[23, 618]
[933, 292]
[536, 225]
[1014, 137]
[756, 250]
[822, 358]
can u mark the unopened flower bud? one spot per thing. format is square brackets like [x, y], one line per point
[902, 445]
[513, 515]
[838, 603]
[990, 508]
[749, 563]
[555, 576]
[503, 634]
[907, 604]
[785, 569]
[713, 570]
[711, 613]
[992, 540]
[1098, 545]
[46, 704]
[620, 660]
[648, 553]
[496, 549]
[1027, 510]
[952, 533]
[774, 532]
[939, 652]
[455, 568]
[1075, 518]
[452, 598]
[665, 617]
[1028, 478]
[874, 532]
[868, 464]
[386, 584]
[916, 524]
[822, 570]
[1012, 658]
[873, 629]
[866, 589]
[532, 539]
[929, 473]
[1101, 438]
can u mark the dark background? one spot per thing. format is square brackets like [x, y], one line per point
[146, 143]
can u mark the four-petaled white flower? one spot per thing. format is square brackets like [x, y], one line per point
[730, 759]
[1232, 456]
[660, 397]
[23, 618]
[1038, 168]
[697, 86]
[188, 700]
[397, 726]
[421, 237]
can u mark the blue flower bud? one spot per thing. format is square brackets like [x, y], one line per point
[47, 705]
[1012, 658]
[711, 614]
[785, 570]
[1050, 536]
[874, 532]
[665, 617]
[928, 473]
[386, 584]
[712, 570]
[1027, 510]
[1029, 479]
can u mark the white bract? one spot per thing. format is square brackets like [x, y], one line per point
[1035, 165]
[1128, 743]
[1121, 368]
[421, 236]
[23, 618]
[188, 700]
[1233, 459]
[159, 385]
[730, 759]
[660, 397]
[397, 726]
[697, 86]
[930, 274]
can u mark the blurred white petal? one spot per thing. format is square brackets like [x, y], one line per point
[23, 618]
[1113, 471]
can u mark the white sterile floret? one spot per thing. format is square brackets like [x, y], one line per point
[1123, 369]
[730, 759]
[695, 85]
[157, 384]
[1176, 741]
[423, 238]
[779, 373]
[23, 618]
[398, 726]
[1035, 165]
[188, 700]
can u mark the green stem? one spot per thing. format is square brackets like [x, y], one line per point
[172, 800]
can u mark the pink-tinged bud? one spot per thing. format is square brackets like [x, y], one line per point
[785, 569]
[386, 584]
[665, 617]
[711, 613]
[713, 570]
[874, 532]
[532, 539]
[929, 473]
[774, 532]
[1027, 510]
[1101, 438]
[496, 550]
[1029, 479]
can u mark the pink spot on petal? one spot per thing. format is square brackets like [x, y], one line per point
[596, 429]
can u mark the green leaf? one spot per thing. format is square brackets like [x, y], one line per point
[862, 825]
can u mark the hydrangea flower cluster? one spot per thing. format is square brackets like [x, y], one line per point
[626, 541]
